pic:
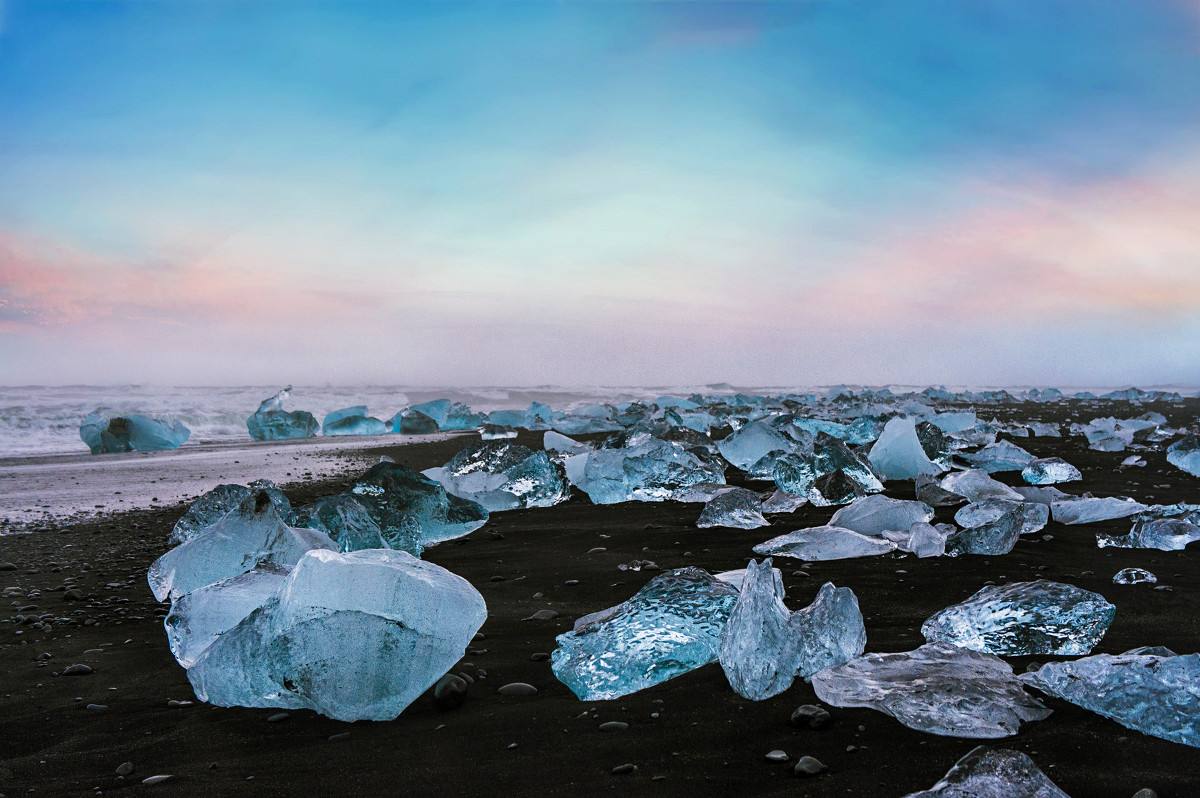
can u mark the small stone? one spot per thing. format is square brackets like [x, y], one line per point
[811, 716]
[72, 595]
[809, 766]
[624, 770]
[97, 707]
[450, 692]
[571, 582]
[78, 669]
[776, 756]
[614, 726]
[333, 738]
[542, 615]
[539, 656]
[124, 769]
[150, 781]
[277, 717]
[1145, 792]
[518, 689]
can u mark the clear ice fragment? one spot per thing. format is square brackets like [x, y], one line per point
[1134, 576]
[1164, 534]
[409, 506]
[825, 543]
[1089, 510]
[993, 773]
[272, 423]
[873, 515]
[214, 505]
[352, 421]
[975, 485]
[1049, 471]
[737, 508]
[501, 475]
[999, 456]
[1184, 454]
[897, 453]
[109, 434]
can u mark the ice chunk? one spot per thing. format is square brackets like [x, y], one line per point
[991, 538]
[1043, 495]
[872, 515]
[993, 773]
[1034, 516]
[214, 505]
[956, 421]
[355, 636]
[250, 536]
[350, 524]
[1049, 471]
[897, 454]
[503, 476]
[737, 577]
[1184, 454]
[1133, 461]
[783, 502]
[976, 485]
[929, 491]
[1089, 510]
[764, 646]
[557, 442]
[1164, 534]
[824, 543]
[272, 423]
[200, 617]
[671, 626]
[831, 474]
[923, 540]
[436, 409]
[1024, 618]
[412, 422]
[352, 421]
[937, 688]
[655, 470]
[703, 492]
[737, 508]
[409, 506]
[748, 445]
[1134, 576]
[1045, 429]
[999, 456]
[1153, 694]
[109, 434]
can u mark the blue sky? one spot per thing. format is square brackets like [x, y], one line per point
[788, 192]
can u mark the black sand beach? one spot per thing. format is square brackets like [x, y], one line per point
[689, 736]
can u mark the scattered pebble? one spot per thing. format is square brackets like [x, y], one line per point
[518, 688]
[809, 766]
[776, 756]
[811, 716]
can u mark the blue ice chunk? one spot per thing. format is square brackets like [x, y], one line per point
[410, 506]
[436, 409]
[748, 445]
[1024, 618]
[1049, 471]
[412, 422]
[1090, 509]
[355, 636]
[105, 433]
[993, 537]
[736, 508]
[352, 421]
[873, 515]
[993, 773]
[1164, 534]
[351, 526]
[272, 423]
[999, 456]
[221, 500]
[503, 476]
[825, 543]
[1034, 516]
[671, 626]
[831, 474]
[201, 616]
[1184, 454]
[1150, 693]
[898, 454]
[655, 470]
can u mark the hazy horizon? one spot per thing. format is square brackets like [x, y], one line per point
[621, 194]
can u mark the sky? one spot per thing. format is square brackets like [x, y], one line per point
[578, 193]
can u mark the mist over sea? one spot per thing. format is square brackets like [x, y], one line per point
[37, 419]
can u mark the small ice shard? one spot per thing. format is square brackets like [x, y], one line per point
[412, 422]
[831, 474]
[250, 536]
[1024, 618]
[1184, 454]
[557, 442]
[783, 502]
[923, 540]
[1133, 461]
[993, 773]
[976, 485]
[937, 688]
[1150, 693]
[824, 543]
[999, 456]
[409, 506]
[929, 491]
[897, 454]
[201, 616]
[737, 508]
[1134, 576]
[503, 476]
[272, 423]
[764, 646]
[748, 445]
[495, 432]
[1089, 510]
[1049, 471]
[1045, 429]
[671, 626]
[350, 524]
[737, 577]
[703, 492]
[110, 434]
[352, 421]
[1164, 534]
[214, 505]
[873, 515]
[991, 538]
[355, 636]
[1034, 516]
[1043, 495]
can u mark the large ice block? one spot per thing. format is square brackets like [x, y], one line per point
[105, 433]
[352, 421]
[214, 505]
[351, 526]
[873, 515]
[355, 636]
[501, 475]
[993, 773]
[897, 454]
[831, 474]
[748, 445]
[1024, 618]
[201, 616]
[405, 504]
[1184, 454]
[272, 423]
[655, 470]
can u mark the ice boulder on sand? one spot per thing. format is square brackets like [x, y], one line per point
[671, 626]
[111, 434]
[937, 688]
[993, 773]
[214, 505]
[737, 508]
[355, 636]
[873, 515]
[1184, 454]
[1034, 516]
[765, 647]
[1049, 471]
[501, 475]
[831, 473]
[897, 453]
[272, 423]
[350, 524]
[352, 421]
[749, 444]
[653, 470]
[825, 543]
[1024, 618]
[990, 536]
[1164, 534]
[1090, 510]
[410, 506]
[975, 485]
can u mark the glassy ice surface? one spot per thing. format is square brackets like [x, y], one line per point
[897, 454]
[932, 493]
[557, 442]
[1043, 495]
[748, 445]
[251, 536]
[1134, 576]
[1154, 694]
[355, 636]
[999, 456]
[656, 470]
[1164, 534]
[671, 626]
[737, 508]
[825, 543]
[831, 474]
[991, 538]
[873, 515]
[956, 421]
[764, 646]
[1184, 454]
[212, 507]
[923, 540]
[436, 409]
[501, 475]
[1034, 516]
[1089, 510]
[272, 423]
[111, 434]
[993, 773]
[975, 485]
[1049, 471]
[937, 688]
[350, 525]
[1024, 618]
[352, 421]
[783, 502]
[409, 506]
[200, 617]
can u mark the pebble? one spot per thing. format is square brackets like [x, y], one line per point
[124, 769]
[539, 656]
[78, 669]
[97, 707]
[333, 738]
[614, 726]
[571, 582]
[624, 770]
[542, 615]
[518, 688]
[278, 716]
[776, 756]
[809, 766]
[811, 716]
[1145, 792]
[150, 781]
[450, 692]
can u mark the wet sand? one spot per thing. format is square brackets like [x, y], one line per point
[690, 736]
